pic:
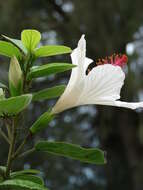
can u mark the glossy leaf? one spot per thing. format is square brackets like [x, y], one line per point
[9, 50]
[49, 93]
[48, 69]
[89, 155]
[17, 43]
[18, 184]
[14, 105]
[33, 178]
[42, 122]
[28, 171]
[30, 39]
[51, 50]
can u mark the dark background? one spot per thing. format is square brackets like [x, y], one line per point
[110, 26]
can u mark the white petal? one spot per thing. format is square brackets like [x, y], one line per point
[130, 105]
[78, 54]
[103, 83]
[75, 84]
[79, 58]
[68, 99]
[86, 63]
[82, 43]
[82, 48]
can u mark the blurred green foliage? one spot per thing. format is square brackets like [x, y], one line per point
[109, 26]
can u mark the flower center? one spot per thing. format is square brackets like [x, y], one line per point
[115, 59]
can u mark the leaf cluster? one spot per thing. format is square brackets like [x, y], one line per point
[17, 96]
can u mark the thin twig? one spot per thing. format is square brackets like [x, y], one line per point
[26, 153]
[8, 131]
[11, 148]
[4, 136]
[21, 146]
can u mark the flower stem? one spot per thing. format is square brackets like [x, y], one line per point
[9, 132]
[21, 146]
[26, 153]
[4, 136]
[11, 147]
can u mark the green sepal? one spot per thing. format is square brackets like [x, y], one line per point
[15, 91]
[42, 122]
[15, 77]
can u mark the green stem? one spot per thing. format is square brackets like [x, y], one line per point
[4, 136]
[8, 131]
[21, 146]
[11, 148]
[7, 123]
[12, 134]
[26, 153]
[28, 65]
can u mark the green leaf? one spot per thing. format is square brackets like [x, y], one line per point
[30, 39]
[41, 122]
[48, 69]
[51, 50]
[89, 155]
[18, 184]
[17, 43]
[49, 93]
[33, 178]
[28, 171]
[14, 105]
[9, 50]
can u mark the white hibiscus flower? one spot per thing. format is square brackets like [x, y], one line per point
[101, 86]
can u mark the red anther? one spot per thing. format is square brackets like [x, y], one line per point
[120, 60]
[115, 59]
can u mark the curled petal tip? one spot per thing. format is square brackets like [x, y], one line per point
[82, 42]
[83, 36]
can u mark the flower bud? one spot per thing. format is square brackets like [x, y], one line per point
[15, 77]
